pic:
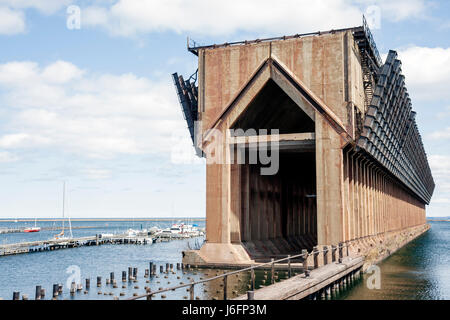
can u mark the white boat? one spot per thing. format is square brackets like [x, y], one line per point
[176, 229]
[131, 232]
[106, 235]
[61, 235]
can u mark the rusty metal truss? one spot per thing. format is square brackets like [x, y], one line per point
[187, 93]
[390, 133]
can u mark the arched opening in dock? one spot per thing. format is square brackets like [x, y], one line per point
[277, 213]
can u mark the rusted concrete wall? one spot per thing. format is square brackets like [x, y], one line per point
[318, 61]
[329, 65]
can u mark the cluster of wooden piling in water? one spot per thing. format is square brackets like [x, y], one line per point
[306, 263]
[130, 276]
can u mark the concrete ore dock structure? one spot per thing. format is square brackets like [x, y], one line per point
[351, 166]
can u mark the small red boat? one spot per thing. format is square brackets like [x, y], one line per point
[32, 229]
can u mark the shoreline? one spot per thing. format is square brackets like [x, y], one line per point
[98, 219]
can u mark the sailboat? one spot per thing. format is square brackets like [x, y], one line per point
[61, 236]
[33, 229]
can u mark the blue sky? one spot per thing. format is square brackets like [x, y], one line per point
[95, 106]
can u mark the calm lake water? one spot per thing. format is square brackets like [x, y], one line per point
[418, 271]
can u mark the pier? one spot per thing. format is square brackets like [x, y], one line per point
[66, 243]
[346, 162]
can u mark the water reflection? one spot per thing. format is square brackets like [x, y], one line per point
[418, 271]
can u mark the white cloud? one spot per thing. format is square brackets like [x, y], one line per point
[399, 10]
[44, 6]
[7, 157]
[95, 115]
[61, 72]
[205, 17]
[441, 134]
[444, 113]
[97, 174]
[12, 13]
[440, 165]
[427, 72]
[441, 201]
[11, 21]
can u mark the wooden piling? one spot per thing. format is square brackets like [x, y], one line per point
[289, 266]
[124, 276]
[42, 293]
[272, 273]
[305, 261]
[252, 276]
[225, 282]
[149, 295]
[325, 255]
[73, 287]
[16, 295]
[38, 293]
[315, 256]
[88, 283]
[191, 291]
[99, 281]
[130, 273]
[328, 292]
[55, 290]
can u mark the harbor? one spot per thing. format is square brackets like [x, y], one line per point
[143, 237]
[203, 160]
[420, 264]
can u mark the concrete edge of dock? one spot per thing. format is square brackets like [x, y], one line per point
[299, 287]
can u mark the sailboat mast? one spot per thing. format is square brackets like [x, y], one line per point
[64, 203]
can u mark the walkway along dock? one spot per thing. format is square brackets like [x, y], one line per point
[55, 244]
[324, 273]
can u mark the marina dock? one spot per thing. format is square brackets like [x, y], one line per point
[96, 240]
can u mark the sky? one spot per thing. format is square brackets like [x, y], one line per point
[90, 101]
